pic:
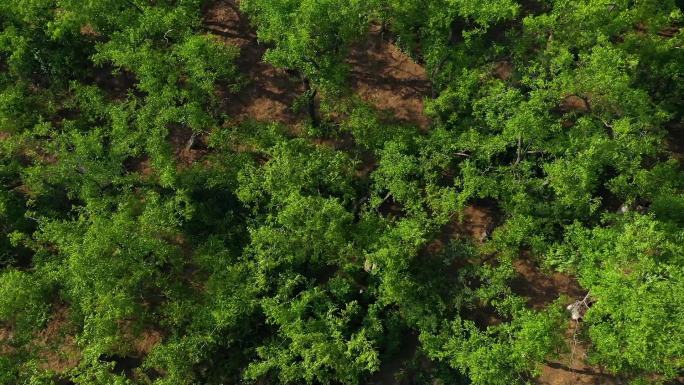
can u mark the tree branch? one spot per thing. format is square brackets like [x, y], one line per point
[136, 6]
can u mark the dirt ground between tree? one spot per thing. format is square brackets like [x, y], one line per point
[270, 92]
[389, 79]
[380, 74]
[541, 288]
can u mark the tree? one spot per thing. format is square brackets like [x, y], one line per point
[633, 270]
[311, 38]
[281, 258]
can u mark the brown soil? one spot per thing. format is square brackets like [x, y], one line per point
[574, 103]
[380, 74]
[6, 336]
[386, 77]
[669, 32]
[270, 92]
[186, 147]
[141, 165]
[539, 288]
[475, 222]
[186, 150]
[89, 30]
[57, 347]
[675, 141]
[116, 83]
[141, 342]
[344, 142]
[503, 70]
[391, 371]
[542, 288]
[147, 340]
[571, 368]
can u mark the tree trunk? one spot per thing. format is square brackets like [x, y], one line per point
[311, 102]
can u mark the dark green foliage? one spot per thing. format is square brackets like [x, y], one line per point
[501, 354]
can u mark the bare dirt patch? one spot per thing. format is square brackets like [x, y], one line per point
[147, 340]
[571, 368]
[392, 370]
[675, 141]
[390, 80]
[89, 30]
[188, 147]
[270, 92]
[56, 345]
[6, 336]
[141, 341]
[380, 73]
[476, 222]
[116, 83]
[141, 165]
[503, 70]
[574, 103]
[541, 288]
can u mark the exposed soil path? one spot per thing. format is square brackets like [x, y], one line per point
[541, 288]
[675, 141]
[571, 368]
[389, 79]
[270, 92]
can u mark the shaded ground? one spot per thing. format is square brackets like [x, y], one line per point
[571, 368]
[57, 346]
[380, 73]
[54, 345]
[389, 79]
[391, 371]
[115, 86]
[187, 147]
[475, 222]
[6, 336]
[675, 141]
[141, 342]
[270, 92]
[541, 288]
[503, 70]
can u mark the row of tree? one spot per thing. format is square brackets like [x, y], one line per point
[275, 259]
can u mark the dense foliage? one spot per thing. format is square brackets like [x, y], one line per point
[276, 258]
